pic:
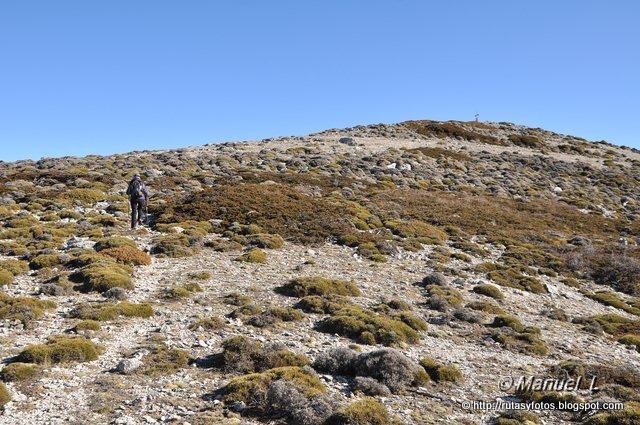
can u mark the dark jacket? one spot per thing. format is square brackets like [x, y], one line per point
[145, 194]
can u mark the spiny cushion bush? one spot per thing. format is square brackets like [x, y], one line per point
[514, 336]
[5, 395]
[183, 291]
[367, 411]
[242, 354]
[508, 321]
[6, 277]
[275, 315]
[327, 304]
[61, 349]
[14, 266]
[223, 245]
[104, 275]
[254, 255]
[301, 287]
[387, 366]
[245, 310]
[128, 255]
[44, 260]
[512, 278]
[87, 325]
[390, 368]
[201, 275]
[174, 246]
[617, 325]
[393, 304]
[23, 308]
[337, 361]
[111, 311]
[284, 400]
[486, 306]
[613, 300]
[18, 371]
[189, 227]
[209, 324]
[251, 389]
[369, 386]
[114, 242]
[439, 372]
[236, 298]
[489, 291]
[369, 327]
[265, 240]
[162, 360]
[443, 298]
[412, 320]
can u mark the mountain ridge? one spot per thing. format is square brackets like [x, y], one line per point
[389, 272]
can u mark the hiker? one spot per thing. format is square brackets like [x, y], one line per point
[138, 197]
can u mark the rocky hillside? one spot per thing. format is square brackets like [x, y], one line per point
[382, 274]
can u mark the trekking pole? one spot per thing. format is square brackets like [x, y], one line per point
[146, 211]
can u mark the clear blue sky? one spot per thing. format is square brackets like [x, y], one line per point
[80, 77]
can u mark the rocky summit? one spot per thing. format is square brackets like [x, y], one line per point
[415, 273]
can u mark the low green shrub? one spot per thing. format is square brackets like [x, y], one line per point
[44, 260]
[489, 291]
[6, 277]
[112, 311]
[369, 327]
[15, 267]
[128, 255]
[202, 275]
[611, 299]
[617, 325]
[367, 411]
[304, 286]
[250, 389]
[439, 372]
[102, 276]
[17, 371]
[114, 242]
[242, 354]
[254, 255]
[265, 240]
[23, 309]
[512, 278]
[514, 336]
[162, 360]
[209, 324]
[486, 306]
[61, 349]
[5, 395]
[87, 325]
[326, 304]
[173, 246]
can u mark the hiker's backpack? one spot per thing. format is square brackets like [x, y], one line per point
[136, 189]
